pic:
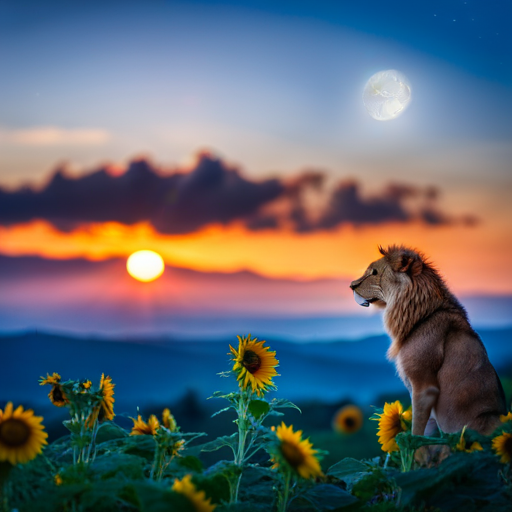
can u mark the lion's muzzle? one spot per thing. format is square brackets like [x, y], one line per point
[361, 300]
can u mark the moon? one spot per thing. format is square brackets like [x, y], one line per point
[145, 265]
[387, 94]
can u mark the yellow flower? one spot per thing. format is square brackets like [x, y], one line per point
[254, 364]
[392, 421]
[506, 417]
[168, 420]
[461, 445]
[86, 385]
[140, 427]
[56, 394]
[348, 419]
[502, 445]
[50, 379]
[58, 479]
[298, 453]
[93, 416]
[196, 498]
[22, 435]
[107, 391]
[177, 447]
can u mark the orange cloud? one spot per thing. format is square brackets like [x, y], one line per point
[472, 259]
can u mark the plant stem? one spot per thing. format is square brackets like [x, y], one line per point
[237, 486]
[243, 405]
[407, 458]
[242, 428]
[286, 491]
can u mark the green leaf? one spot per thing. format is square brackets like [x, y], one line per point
[223, 410]
[215, 486]
[231, 397]
[281, 403]
[329, 497]
[259, 408]
[374, 484]
[225, 468]
[407, 441]
[108, 466]
[246, 507]
[347, 467]
[108, 431]
[220, 442]
[143, 446]
[154, 498]
[190, 462]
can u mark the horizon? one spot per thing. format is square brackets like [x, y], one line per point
[232, 137]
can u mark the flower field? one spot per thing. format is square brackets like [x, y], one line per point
[264, 462]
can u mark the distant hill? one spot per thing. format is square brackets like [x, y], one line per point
[161, 371]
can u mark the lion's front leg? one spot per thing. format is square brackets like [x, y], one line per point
[423, 400]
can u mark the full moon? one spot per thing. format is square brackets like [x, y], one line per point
[386, 95]
[145, 265]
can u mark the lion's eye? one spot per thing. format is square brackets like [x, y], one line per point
[374, 271]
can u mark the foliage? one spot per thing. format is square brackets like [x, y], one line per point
[116, 470]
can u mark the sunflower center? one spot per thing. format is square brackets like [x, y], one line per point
[14, 432]
[57, 393]
[251, 361]
[507, 446]
[292, 454]
[350, 422]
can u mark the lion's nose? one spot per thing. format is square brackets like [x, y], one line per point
[353, 285]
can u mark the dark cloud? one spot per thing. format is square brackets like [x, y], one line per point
[212, 192]
[347, 205]
[175, 203]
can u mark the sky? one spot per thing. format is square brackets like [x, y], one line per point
[231, 137]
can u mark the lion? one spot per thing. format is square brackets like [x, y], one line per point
[439, 357]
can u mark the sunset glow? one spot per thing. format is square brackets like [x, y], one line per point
[472, 265]
[145, 266]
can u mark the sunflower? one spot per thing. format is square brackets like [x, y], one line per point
[140, 427]
[85, 385]
[392, 421]
[348, 419]
[462, 445]
[296, 452]
[56, 395]
[254, 364]
[502, 445]
[506, 417]
[176, 448]
[168, 420]
[22, 435]
[107, 392]
[196, 498]
[50, 379]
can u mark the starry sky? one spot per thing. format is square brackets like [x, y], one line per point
[231, 137]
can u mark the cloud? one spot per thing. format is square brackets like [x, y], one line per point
[54, 136]
[184, 201]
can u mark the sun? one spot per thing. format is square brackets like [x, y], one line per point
[145, 265]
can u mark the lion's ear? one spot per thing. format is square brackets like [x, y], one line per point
[407, 261]
[410, 264]
[403, 263]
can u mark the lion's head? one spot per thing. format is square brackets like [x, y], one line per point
[386, 277]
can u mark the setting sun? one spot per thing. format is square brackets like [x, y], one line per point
[145, 265]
